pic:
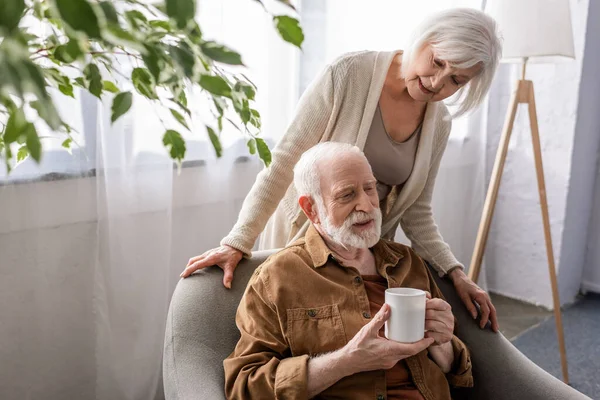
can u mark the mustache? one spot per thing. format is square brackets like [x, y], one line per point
[359, 217]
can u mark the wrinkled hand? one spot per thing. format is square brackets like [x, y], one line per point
[469, 293]
[439, 320]
[226, 257]
[367, 351]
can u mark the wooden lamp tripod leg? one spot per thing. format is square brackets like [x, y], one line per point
[539, 168]
[492, 194]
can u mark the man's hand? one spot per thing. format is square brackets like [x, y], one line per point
[367, 351]
[226, 257]
[469, 293]
[439, 320]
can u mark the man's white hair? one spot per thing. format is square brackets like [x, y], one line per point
[307, 178]
[463, 37]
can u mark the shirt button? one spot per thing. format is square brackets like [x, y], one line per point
[312, 313]
[366, 315]
[358, 280]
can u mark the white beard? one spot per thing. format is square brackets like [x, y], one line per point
[344, 234]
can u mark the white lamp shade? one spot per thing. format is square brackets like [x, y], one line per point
[539, 30]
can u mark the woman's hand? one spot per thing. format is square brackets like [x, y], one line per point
[226, 257]
[469, 293]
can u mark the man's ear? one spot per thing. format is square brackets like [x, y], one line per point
[308, 206]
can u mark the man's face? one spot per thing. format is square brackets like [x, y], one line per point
[350, 212]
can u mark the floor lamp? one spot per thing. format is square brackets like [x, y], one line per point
[533, 31]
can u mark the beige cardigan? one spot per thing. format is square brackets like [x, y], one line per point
[339, 106]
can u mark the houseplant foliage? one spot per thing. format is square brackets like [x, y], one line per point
[49, 48]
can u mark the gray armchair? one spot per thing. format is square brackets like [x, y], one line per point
[201, 333]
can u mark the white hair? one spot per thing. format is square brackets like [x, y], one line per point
[463, 37]
[307, 178]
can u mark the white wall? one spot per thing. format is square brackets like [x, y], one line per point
[581, 229]
[516, 256]
[591, 273]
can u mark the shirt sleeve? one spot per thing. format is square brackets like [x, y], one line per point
[261, 367]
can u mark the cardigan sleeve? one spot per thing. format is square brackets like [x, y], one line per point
[418, 222]
[312, 116]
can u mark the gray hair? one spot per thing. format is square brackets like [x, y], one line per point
[464, 37]
[307, 178]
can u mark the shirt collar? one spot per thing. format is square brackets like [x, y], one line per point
[386, 253]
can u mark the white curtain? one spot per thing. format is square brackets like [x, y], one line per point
[92, 243]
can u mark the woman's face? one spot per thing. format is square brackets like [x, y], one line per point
[430, 78]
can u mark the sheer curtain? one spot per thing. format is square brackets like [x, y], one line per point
[92, 243]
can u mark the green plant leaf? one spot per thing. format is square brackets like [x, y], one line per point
[69, 52]
[33, 142]
[288, 3]
[255, 119]
[136, 18]
[22, 154]
[263, 151]
[220, 123]
[12, 11]
[152, 60]
[182, 11]
[160, 24]
[245, 88]
[179, 118]
[66, 144]
[215, 85]
[80, 82]
[184, 57]
[110, 87]
[220, 104]
[94, 79]
[216, 142]
[174, 144]
[66, 89]
[15, 126]
[183, 98]
[119, 37]
[252, 146]
[222, 54]
[144, 83]
[110, 13]
[289, 29]
[121, 104]
[79, 15]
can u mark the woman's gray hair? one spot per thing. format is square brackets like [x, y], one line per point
[463, 37]
[307, 179]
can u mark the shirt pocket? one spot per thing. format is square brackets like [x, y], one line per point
[315, 330]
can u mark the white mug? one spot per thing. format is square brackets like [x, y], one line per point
[407, 314]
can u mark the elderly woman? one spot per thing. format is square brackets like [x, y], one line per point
[389, 104]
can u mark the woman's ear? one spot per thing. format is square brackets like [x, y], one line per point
[307, 205]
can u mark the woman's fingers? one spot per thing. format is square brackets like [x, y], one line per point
[493, 317]
[202, 262]
[485, 312]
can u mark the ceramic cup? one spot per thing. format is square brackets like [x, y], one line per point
[407, 314]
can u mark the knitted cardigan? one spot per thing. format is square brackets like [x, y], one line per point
[339, 106]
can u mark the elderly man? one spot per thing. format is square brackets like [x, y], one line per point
[312, 316]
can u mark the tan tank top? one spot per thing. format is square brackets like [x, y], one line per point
[392, 162]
